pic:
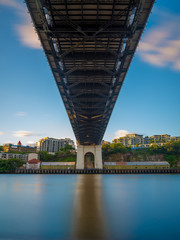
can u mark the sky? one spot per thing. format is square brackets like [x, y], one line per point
[31, 107]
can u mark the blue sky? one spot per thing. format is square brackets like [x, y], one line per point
[31, 107]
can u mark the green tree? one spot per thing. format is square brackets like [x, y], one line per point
[67, 148]
[114, 148]
[45, 156]
[172, 159]
[9, 166]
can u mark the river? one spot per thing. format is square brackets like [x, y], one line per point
[127, 207]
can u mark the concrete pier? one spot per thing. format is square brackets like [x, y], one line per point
[96, 150]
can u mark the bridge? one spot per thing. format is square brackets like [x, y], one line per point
[89, 45]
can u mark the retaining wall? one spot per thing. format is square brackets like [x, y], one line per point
[97, 171]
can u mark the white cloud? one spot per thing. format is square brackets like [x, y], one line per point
[11, 3]
[161, 44]
[23, 133]
[21, 114]
[1, 133]
[31, 142]
[28, 36]
[121, 133]
[25, 30]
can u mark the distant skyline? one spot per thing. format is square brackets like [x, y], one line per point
[31, 107]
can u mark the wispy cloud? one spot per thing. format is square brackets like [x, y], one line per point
[25, 30]
[1, 133]
[28, 36]
[21, 114]
[23, 133]
[160, 46]
[11, 3]
[121, 133]
[31, 143]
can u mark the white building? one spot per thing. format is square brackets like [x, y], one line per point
[130, 140]
[6, 156]
[20, 156]
[33, 164]
[52, 144]
[57, 165]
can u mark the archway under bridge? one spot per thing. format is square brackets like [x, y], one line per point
[89, 160]
[84, 150]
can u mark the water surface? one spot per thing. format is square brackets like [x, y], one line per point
[127, 207]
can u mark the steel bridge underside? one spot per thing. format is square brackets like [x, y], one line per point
[89, 46]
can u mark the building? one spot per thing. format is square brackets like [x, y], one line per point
[37, 164]
[53, 145]
[130, 140]
[146, 141]
[33, 164]
[20, 156]
[160, 139]
[58, 165]
[18, 148]
[32, 156]
[69, 142]
[105, 142]
[174, 139]
[136, 140]
[7, 156]
[136, 165]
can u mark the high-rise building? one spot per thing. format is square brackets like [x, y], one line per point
[52, 144]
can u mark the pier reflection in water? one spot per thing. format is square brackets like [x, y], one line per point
[89, 214]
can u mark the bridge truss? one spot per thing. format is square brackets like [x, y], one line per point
[89, 45]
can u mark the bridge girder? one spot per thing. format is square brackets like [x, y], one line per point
[89, 46]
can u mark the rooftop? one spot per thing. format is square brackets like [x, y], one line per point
[34, 161]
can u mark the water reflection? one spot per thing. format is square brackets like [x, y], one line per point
[36, 207]
[75, 207]
[89, 212]
[36, 186]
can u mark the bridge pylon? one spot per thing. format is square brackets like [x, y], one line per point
[96, 150]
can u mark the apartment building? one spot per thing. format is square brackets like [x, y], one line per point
[136, 140]
[130, 140]
[53, 145]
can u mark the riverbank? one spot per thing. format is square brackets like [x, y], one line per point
[97, 171]
[116, 152]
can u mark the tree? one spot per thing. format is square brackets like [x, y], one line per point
[1, 148]
[45, 156]
[10, 165]
[67, 148]
[113, 148]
